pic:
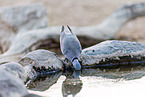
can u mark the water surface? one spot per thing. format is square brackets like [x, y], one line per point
[118, 82]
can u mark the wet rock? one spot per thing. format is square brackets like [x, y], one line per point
[41, 62]
[113, 53]
[11, 85]
[25, 17]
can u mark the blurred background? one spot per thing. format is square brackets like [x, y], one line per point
[75, 12]
[86, 13]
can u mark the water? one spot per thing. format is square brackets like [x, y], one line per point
[119, 82]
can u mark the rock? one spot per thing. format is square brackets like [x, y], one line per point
[16, 69]
[25, 17]
[20, 18]
[11, 85]
[41, 62]
[114, 53]
[25, 42]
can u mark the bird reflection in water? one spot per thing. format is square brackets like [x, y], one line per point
[72, 84]
[43, 82]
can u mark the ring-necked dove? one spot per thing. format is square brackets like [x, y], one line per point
[70, 46]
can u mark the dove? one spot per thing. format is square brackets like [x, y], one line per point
[70, 46]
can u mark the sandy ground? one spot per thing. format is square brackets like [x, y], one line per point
[87, 12]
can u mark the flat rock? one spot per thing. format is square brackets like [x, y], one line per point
[113, 52]
[41, 62]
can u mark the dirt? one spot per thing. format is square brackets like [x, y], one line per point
[87, 12]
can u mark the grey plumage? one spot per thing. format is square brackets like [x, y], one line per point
[70, 46]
